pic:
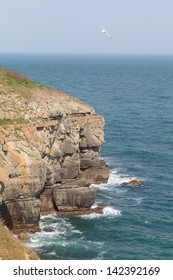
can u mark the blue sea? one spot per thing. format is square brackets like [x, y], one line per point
[135, 96]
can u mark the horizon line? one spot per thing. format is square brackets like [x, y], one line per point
[87, 53]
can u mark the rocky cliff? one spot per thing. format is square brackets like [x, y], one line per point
[49, 152]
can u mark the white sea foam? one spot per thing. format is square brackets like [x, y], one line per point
[53, 253]
[60, 229]
[36, 242]
[96, 243]
[94, 206]
[49, 216]
[116, 179]
[91, 216]
[111, 212]
[120, 190]
[100, 255]
[76, 231]
[100, 186]
[107, 212]
[138, 201]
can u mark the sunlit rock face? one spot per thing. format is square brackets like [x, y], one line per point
[49, 153]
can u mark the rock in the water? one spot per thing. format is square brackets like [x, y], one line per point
[134, 182]
[48, 229]
[98, 209]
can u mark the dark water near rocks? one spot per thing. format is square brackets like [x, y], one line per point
[135, 96]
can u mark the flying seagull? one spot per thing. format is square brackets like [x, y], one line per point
[105, 31]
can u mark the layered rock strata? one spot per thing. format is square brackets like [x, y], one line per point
[49, 153]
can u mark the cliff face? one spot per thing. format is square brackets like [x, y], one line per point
[49, 153]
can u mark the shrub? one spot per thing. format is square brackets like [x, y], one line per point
[17, 76]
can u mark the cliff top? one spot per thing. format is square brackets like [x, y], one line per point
[23, 100]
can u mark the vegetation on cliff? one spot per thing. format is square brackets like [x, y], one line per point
[13, 249]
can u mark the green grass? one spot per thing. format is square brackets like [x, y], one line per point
[14, 78]
[29, 84]
[14, 121]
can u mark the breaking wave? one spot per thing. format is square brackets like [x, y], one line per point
[107, 212]
[116, 179]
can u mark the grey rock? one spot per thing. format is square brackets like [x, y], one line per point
[71, 199]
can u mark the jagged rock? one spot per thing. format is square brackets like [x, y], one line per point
[48, 229]
[92, 131]
[54, 174]
[134, 182]
[98, 209]
[96, 175]
[71, 166]
[89, 157]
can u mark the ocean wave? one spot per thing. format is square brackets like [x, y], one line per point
[53, 228]
[138, 201]
[107, 212]
[111, 212]
[100, 186]
[49, 216]
[116, 179]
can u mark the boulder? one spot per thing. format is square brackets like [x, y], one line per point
[134, 182]
[73, 199]
[24, 237]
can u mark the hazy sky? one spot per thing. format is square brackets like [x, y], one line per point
[73, 26]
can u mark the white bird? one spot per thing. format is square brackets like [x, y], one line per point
[105, 31]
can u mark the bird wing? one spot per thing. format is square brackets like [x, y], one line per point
[105, 31]
[108, 34]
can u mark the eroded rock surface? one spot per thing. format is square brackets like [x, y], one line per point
[49, 153]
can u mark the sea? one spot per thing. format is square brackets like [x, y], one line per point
[134, 93]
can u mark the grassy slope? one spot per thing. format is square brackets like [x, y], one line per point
[13, 249]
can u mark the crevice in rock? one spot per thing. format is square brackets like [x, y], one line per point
[5, 216]
[56, 118]
[93, 148]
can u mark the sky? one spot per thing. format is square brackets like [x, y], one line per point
[73, 26]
